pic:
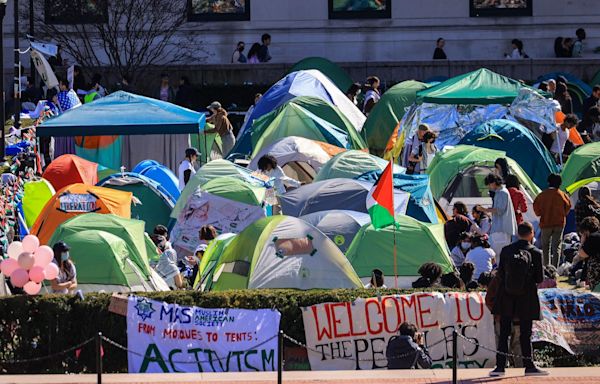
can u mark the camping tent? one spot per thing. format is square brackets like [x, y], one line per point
[155, 202]
[388, 112]
[227, 203]
[583, 163]
[334, 194]
[519, 143]
[336, 74]
[282, 252]
[209, 261]
[341, 226]
[301, 83]
[139, 249]
[165, 126]
[36, 193]
[593, 183]
[78, 199]
[161, 174]
[70, 169]
[351, 164]
[308, 117]
[417, 243]
[299, 158]
[211, 171]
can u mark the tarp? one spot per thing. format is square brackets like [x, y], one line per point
[333, 71]
[36, 194]
[283, 252]
[481, 87]
[351, 164]
[301, 83]
[334, 194]
[70, 169]
[79, 199]
[417, 243]
[387, 113]
[583, 163]
[519, 143]
[341, 226]
[308, 117]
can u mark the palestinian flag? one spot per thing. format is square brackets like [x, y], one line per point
[380, 200]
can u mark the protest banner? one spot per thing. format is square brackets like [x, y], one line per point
[165, 338]
[352, 336]
[44, 69]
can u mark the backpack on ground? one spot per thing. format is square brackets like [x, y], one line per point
[518, 272]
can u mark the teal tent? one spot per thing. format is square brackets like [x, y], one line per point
[336, 74]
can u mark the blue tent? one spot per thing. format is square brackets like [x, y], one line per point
[519, 143]
[160, 174]
[143, 165]
[572, 79]
[421, 205]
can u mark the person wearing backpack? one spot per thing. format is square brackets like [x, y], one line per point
[519, 272]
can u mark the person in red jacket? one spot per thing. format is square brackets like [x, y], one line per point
[517, 197]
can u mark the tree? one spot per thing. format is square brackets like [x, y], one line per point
[126, 35]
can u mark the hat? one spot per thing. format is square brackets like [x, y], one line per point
[201, 248]
[424, 127]
[61, 246]
[191, 152]
[214, 105]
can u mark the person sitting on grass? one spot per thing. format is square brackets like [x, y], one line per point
[430, 276]
[407, 351]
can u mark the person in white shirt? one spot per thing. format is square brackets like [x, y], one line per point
[481, 255]
[462, 248]
[372, 96]
[267, 165]
[186, 168]
[561, 135]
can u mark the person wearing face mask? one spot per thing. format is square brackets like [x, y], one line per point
[459, 252]
[66, 281]
[238, 56]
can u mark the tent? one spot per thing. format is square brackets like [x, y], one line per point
[165, 127]
[78, 199]
[351, 164]
[341, 226]
[209, 261]
[519, 143]
[155, 202]
[388, 112]
[227, 203]
[583, 163]
[214, 170]
[421, 205]
[593, 183]
[458, 175]
[308, 117]
[134, 252]
[163, 176]
[333, 71]
[299, 158]
[36, 193]
[417, 243]
[70, 169]
[282, 252]
[572, 79]
[301, 83]
[334, 194]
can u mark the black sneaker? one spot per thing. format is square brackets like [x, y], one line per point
[535, 372]
[497, 372]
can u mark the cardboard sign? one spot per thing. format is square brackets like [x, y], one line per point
[78, 203]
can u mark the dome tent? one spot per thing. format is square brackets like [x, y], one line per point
[36, 194]
[159, 173]
[593, 183]
[333, 71]
[341, 226]
[282, 252]
[583, 163]
[70, 169]
[351, 164]
[209, 261]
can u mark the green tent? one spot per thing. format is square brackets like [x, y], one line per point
[211, 257]
[308, 117]
[583, 163]
[447, 165]
[388, 112]
[416, 243]
[103, 263]
[350, 165]
[282, 252]
[480, 87]
[36, 194]
[336, 74]
[210, 171]
[140, 248]
[235, 189]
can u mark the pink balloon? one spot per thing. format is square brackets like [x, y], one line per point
[26, 260]
[14, 249]
[37, 274]
[8, 266]
[51, 271]
[30, 243]
[32, 288]
[43, 256]
[19, 278]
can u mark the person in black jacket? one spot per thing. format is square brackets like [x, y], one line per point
[438, 53]
[524, 305]
[407, 351]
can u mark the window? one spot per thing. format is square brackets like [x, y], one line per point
[500, 8]
[218, 10]
[76, 11]
[360, 9]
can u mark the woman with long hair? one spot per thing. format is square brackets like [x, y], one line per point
[586, 206]
[481, 255]
[517, 196]
[482, 219]
[66, 281]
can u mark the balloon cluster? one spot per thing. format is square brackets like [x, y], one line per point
[28, 264]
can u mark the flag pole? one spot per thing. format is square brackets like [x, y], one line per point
[395, 245]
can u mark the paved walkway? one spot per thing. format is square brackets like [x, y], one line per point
[471, 376]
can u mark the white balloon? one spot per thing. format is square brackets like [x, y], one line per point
[15, 249]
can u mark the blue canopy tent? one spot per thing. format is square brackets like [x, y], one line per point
[519, 143]
[151, 128]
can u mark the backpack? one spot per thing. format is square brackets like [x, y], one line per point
[518, 270]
